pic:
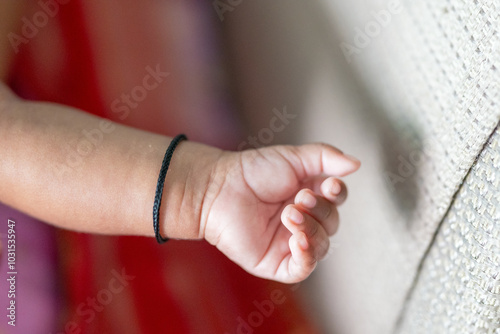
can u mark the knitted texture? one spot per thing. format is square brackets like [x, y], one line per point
[458, 289]
[432, 77]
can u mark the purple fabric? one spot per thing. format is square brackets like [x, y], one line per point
[36, 291]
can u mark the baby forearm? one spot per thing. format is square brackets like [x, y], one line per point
[270, 210]
[84, 173]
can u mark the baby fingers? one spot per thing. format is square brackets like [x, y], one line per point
[315, 242]
[322, 210]
[334, 190]
[308, 244]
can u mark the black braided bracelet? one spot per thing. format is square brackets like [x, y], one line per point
[161, 183]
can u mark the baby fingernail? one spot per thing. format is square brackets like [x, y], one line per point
[295, 216]
[353, 159]
[303, 241]
[308, 200]
[335, 189]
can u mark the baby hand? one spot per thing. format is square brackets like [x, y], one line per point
[271, 210]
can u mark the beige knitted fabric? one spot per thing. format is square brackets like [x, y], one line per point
[432, 74]
[458, 289]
